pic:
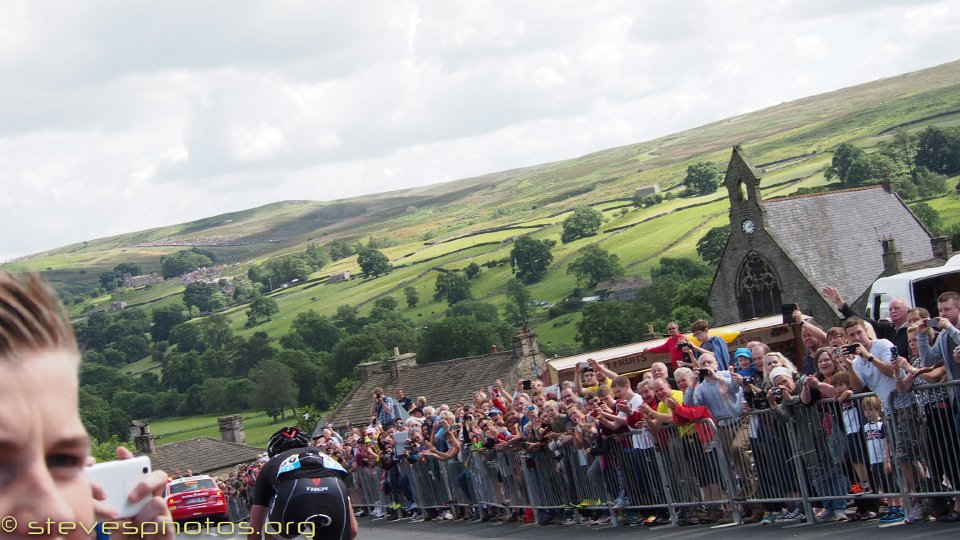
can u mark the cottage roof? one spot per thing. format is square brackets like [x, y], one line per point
[451, 382]
[622, 284]
[834, 237]
[201, 455]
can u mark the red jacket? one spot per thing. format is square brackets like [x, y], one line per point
[684, 414]
[670, 346]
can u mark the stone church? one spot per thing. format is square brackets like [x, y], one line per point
[784, 250]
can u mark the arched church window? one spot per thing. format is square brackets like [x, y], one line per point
[758, 288]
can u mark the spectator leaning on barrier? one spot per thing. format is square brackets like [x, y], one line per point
[933, 350]
[873, 367]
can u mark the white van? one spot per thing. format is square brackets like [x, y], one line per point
[920, 287]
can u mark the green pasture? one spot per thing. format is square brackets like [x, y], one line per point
[256, 424]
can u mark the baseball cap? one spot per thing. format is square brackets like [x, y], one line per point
[743, 351]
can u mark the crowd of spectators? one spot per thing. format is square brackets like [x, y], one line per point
[750, 397]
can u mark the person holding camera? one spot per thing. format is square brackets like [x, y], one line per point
[381, 410]
[670, 346]
[45, 445]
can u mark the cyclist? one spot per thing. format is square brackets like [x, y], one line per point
[300, 491]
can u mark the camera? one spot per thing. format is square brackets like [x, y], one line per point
[526, 384]
[777, 391]
[894, 353]
[703, 374]
[583, 365]
[851, 349]
[682, 346]
[749, 380]
[468, 418]
[932, 323]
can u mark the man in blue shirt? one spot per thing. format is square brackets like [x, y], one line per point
[382, 408]
[715, 345]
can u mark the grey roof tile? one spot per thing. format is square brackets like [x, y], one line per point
[201, 455]
[834, 237]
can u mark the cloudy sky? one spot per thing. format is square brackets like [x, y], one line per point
[120, 116]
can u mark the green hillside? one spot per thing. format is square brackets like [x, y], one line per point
[450, 225]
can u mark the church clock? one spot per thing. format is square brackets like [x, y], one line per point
[748, 226]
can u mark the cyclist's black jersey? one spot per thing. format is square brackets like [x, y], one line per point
[304, 491]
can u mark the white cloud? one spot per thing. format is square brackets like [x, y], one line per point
[117, 117]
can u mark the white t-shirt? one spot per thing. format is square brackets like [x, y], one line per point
[634, 403]
[876, 441]
[851, 417]
[870, 374]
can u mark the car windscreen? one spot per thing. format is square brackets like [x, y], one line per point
[192, 485]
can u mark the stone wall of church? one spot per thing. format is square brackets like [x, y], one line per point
[793, 283]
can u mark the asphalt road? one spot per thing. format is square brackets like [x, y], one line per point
[459, 530]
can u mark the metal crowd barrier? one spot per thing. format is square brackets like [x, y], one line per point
[795, 456]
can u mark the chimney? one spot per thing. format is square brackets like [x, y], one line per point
[231, 429]
[892, 258]
[367, 369]
[143, 441]
[942, 247]
[494, 348]
[651, 334]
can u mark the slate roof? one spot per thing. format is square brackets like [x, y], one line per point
[622, 284]
[834, 237]
[202, 455]
[451, 382]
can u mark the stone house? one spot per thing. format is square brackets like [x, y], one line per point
[451, 381]
[201, 455]
[785, 250]
[620, 290]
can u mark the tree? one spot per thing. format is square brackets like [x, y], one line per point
[315, 256]
[843, 157]
[456, 337]
[262, 307]
[186, 337]
[182, 262]
[182, 371]
[928, 216]
[584, 221]
[199, 294]
[710, 247]
[472, 270]
[388, 303]
[311, 331]
[215, 331]
[164, 319]
[902, 151]
[413, 297]
[127, 268]
[373, 263]
[531, 258]
[606, 324]
[250, 352]
[930, 184]
[480, 311]
[110, 281]
[595, 264]
[703, 178]
[868, 167]
[340, 249]
[520, 297]
[938, 149]
[133, 347]
[274, 388]
[685, 269]
[454, 286]
[353, 350]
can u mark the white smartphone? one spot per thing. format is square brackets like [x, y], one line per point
[117, 479]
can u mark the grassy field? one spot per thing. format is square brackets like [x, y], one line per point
[257, 425]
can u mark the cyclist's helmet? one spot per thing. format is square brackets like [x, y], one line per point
[287, 438]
